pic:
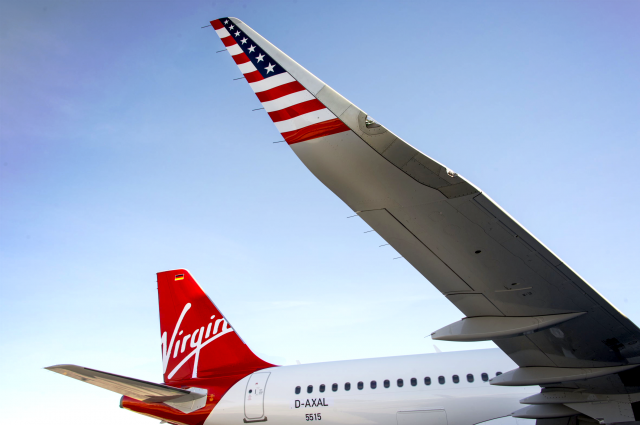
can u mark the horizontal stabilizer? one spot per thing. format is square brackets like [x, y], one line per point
[135, 388]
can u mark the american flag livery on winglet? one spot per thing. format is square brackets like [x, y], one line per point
[298, 114]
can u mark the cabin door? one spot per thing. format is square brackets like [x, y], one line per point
[254, 397]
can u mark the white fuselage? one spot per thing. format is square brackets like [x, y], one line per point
[270, 395]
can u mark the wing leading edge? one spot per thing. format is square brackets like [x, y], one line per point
[479, 257]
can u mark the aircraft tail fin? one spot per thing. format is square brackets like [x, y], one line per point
[197, 340]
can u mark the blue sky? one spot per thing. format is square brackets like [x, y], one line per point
[127, 149]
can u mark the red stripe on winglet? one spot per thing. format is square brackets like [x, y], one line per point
[278, 92]
[253, 76]
[241, 58]
[217, 25]
[315, 131]
[228, 41]
[296, 110]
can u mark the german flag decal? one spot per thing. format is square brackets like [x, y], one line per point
[179, 277]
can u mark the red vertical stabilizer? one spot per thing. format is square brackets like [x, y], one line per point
[197, 341]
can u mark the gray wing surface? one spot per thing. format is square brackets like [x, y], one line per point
[531, 304]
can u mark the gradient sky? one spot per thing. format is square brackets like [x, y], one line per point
[127, 149]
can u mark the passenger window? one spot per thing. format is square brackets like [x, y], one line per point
[414, 382]
[387, 384]
[297, 390]
[374, 384]
[322, 388]
[498, 373]
[427, 380]
[310, 389]
[484, 377]
[400, 382]
[456, 379]
[441, 379]
[360, 385]
[347, 386]
[469, 377]
[334, 387]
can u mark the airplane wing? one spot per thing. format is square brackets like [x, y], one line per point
[512, 289]
[134, 388]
